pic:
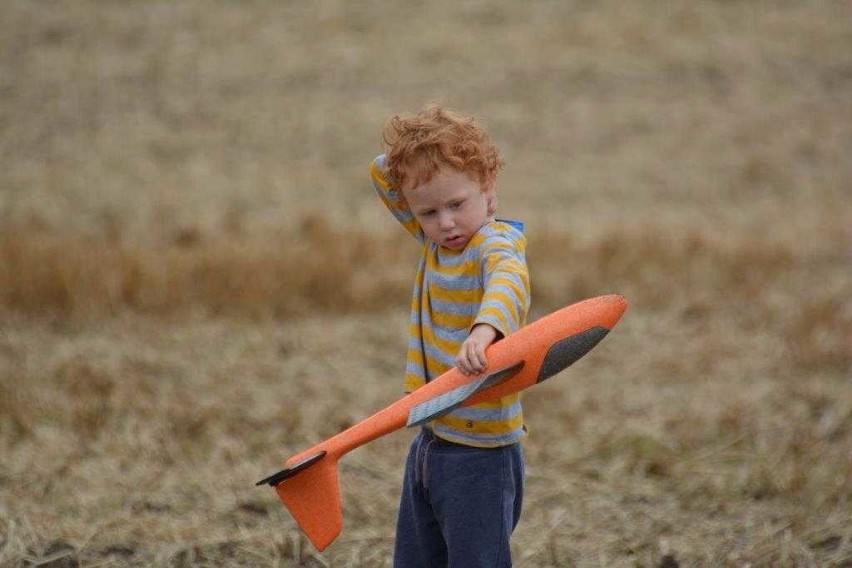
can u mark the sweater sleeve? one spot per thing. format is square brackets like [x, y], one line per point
[506, 283]
[392, 198]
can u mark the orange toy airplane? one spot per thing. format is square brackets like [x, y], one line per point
[308, 485]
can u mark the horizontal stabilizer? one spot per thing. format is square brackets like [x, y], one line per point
[288, 472]
[450, 400]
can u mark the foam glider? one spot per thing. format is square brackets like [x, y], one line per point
[308, 484]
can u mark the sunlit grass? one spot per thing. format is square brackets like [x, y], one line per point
[734, 403]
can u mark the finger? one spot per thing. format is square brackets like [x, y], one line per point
[473, 356]
[477, 358]
[462, 363]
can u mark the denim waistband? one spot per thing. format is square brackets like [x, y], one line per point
[432, 439]
[429, 436]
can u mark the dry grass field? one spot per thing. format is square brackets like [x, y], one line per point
[196, 280]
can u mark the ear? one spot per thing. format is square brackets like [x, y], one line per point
[489, 189]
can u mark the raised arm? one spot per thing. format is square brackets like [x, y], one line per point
[392, 198]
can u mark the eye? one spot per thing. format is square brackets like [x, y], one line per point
[427, 213]
[456, 204]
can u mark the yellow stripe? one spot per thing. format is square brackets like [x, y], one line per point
[412, 226]
[507, 400]
[497, 316]
[413, 382]
[482, 426]
[465, 267]
[378, 176]
[512, 263]
[469, 295]
[436, 366]
[477, 239]
[452, 321]
[448, 346]
[507, 281]
[503, 299]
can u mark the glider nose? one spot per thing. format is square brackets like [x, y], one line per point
[605, 311]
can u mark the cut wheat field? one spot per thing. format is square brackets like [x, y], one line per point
[197, 280]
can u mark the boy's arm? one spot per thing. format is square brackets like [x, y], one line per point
[506, 285]
[504, 305]
[392, 198]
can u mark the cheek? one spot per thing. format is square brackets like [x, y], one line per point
[428, 224]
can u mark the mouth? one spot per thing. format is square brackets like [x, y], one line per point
[454, 241]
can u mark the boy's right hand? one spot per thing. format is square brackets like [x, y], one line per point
[471, 358]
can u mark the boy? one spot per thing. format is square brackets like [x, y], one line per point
[463, 484]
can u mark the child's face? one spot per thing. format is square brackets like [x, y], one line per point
[452, 206]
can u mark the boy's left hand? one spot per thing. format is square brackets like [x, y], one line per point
[471, 357]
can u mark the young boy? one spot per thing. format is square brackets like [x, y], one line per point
[464, 476]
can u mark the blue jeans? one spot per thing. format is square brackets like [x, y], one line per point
[459, 504]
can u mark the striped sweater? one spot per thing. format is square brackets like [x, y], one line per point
[487, 282]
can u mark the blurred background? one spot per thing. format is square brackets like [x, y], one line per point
[196, 279]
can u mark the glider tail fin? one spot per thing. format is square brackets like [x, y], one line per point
[312, 494]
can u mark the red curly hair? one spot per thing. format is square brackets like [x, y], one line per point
[418, 145]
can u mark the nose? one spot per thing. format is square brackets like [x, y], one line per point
[446, 220]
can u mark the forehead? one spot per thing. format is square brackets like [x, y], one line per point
[442, 179]
[443, 187]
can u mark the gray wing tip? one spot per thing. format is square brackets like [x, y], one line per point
[452, 399]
